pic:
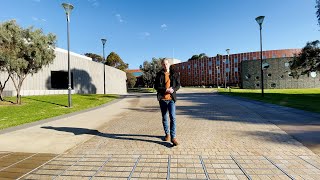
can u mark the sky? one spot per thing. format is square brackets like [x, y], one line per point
[138, 30]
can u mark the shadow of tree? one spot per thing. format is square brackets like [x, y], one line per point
[130, 137]
[82, 82]
[34, 99]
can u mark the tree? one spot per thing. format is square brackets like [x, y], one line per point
[150, 70]
[201, 55]
[24, 51]
[95, 57]
[3, 85]
[307, 61]
[131, 80]
[318, 10]
[114, 60]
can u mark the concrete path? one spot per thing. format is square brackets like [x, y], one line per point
[220, 138]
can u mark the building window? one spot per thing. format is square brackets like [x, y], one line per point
[210, 63]
[235, 60]
[202, 64]
[274, 56]
[264, 57]
[284, 55]
[195, 65]
[236, 69]
[218, 71]
[254, 58]
[188, 66]
[210, 71]
[218, 62]
[227, 69]
[245, 58]
[182, 67]
[226, 60]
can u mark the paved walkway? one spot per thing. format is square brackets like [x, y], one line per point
[220, 138]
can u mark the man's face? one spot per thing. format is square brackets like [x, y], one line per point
[166, 65]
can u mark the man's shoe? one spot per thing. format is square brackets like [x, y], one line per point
[167, 137]
[174, 142]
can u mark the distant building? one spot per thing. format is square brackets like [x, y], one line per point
[138, 74]
[214, 71]
[135, 72]
[173, 61]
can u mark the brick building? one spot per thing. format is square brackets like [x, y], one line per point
[213, 71]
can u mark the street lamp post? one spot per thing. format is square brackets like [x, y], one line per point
[68, 8]
[259, 20]
[228, 50]
[104, 68]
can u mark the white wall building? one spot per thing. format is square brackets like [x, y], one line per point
[87, 77]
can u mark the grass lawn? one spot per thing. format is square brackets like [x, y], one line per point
[306, 99]
[36, 108]
[141, 90]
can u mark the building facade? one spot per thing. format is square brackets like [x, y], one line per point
[276, 76]
[87, 77]
[223, 69]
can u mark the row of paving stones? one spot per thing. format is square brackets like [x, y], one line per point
[117, 166]
[219, 139]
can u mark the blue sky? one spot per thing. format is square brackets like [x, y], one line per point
[138, 30]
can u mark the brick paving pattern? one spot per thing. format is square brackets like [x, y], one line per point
[219, 139]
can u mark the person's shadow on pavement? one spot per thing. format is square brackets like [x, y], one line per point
[132, 137]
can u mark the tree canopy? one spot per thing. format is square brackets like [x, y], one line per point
[150, 70]
[318, 10]
[131, 80]
[24, 51]
[95, 57]
[307, 61]
[196, 56]
[114, 60]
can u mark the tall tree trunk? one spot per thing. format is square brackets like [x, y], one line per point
[18, 84]
[19, 89]
[2, 88]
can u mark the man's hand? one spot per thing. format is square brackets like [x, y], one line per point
[170, 90]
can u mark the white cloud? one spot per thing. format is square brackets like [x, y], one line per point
[164, 26]
[119, 18]
[144, 35]
[94, 3]
[38, 19]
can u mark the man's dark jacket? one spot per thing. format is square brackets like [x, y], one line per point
[160, 84]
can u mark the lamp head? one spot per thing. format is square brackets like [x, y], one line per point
[67, 8]
[260, 19]
[103, 41]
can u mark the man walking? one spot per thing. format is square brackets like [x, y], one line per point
[167, 82]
